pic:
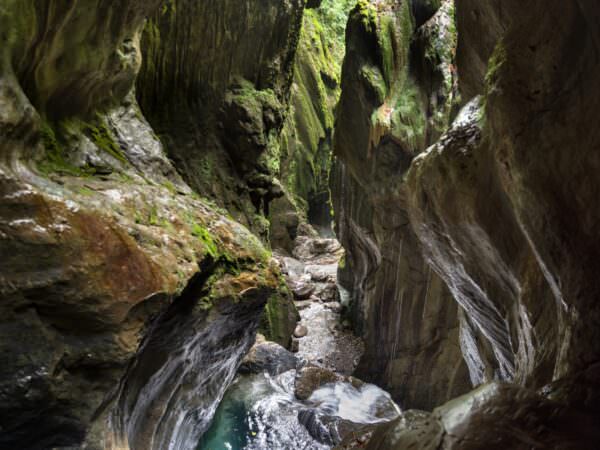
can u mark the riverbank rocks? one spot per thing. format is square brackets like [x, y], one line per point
[495, 416]
[317, 250]
[266, 356]
[319, 273]
[302, 289]
[311, 377]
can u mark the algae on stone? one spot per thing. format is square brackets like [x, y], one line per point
[305, 144]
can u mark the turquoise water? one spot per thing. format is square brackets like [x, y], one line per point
[260, 412]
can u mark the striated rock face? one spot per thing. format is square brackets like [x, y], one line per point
[103, 244]
[398, 90]
[494, 207]
[174, 384]
[473, 239]
[504, 206]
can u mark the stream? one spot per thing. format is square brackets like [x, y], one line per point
[306, 400]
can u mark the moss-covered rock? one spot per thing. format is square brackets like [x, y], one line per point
[305, 144]
[280, 318]
[214, 83]
[114, 270]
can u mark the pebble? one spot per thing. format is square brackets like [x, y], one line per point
[300, 331]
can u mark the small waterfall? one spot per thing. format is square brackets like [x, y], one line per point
[261, 412]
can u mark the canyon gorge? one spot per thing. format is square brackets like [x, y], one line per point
[299, 224]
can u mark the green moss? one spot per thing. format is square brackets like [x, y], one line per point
[452, 29]
[375, 82]
[395, 34]
[408, 119]
[322, 41]
[387, 44]
[56, 160]
[367, 15]
[497, 59]
[126, 178]
[169, 7]
[206, 238]
[279, 317]
[271, 157]
[166, 224]
[170, 187]
[84, 190]
[102, 137]
[153, 218]
[255, 99]
[304, 151]
[495, 63]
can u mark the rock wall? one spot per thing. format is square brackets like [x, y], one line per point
[104, 245]
[513, 253]
[215, 84]
[398, 93]
[494, 416]
[305, 145]
[504, 207]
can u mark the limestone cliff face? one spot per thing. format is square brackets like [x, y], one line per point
[398, 91]
[504, 207]
[515, 253]
[306, 137]
[104, 245]
[215, 84]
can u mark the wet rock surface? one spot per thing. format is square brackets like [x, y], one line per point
[128, 301]
[397, 303]
[325, 340]
[495, 416]
[300, 331]
[310, 378]
[111, 263]
[309, 393]
[496, 212]
[270, 357]
[262, 412]
[495, 232]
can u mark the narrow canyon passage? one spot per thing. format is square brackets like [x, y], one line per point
[305, 398]
[299, 224]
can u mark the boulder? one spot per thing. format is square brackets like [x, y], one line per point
[310, 378]
[270, 357]
[302, 290]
